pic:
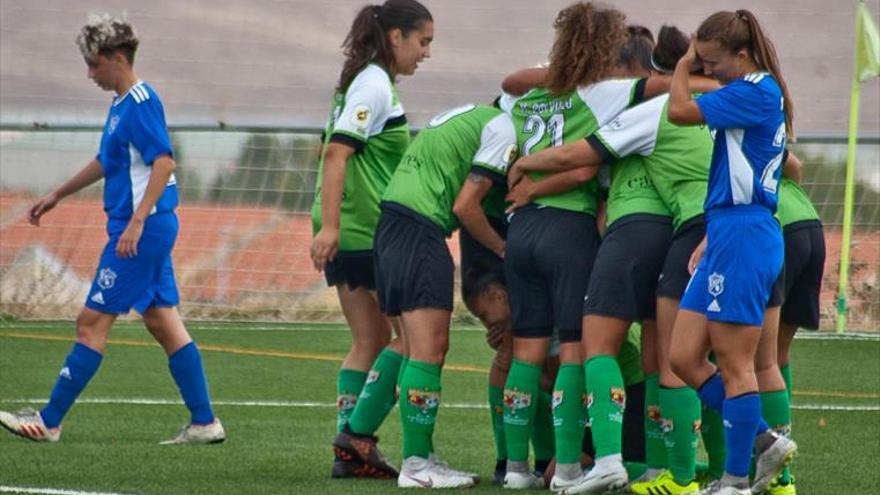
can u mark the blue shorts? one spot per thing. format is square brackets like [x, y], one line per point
[138, 283]
[742, 261]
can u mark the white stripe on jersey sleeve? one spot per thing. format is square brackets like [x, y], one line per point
[139, 174]
[497, 144]
[608, 98]
[368, 104]
[140, 90]
[134, 94]
[742, 177]
[634, 131]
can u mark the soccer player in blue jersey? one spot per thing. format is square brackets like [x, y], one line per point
[723, 306]
[135, 270]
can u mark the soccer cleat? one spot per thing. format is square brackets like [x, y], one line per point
[417, 472]
[559, 485]
[603, 478]
[717, 487]
[349, 446]
[665, 484]
[500, 471]
[771, 461]
[650, 475]
[435, 459]
[199, 434]
[777, 489]
[29, 424]
[514, 480]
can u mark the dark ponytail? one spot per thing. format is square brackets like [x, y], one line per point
[671, 45]
[635, 54]
[367, 40]
[741, 29]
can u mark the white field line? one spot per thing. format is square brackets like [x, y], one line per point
[49, 491]
[316, 404]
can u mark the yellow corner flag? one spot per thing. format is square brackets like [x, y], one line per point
[867, 46]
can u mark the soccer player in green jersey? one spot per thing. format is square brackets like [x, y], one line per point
[440, 183]
[637, 141]
[364, 139]
[552, 242]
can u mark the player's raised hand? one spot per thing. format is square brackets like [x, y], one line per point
[41, 207]
[325, 245]
[126, 246]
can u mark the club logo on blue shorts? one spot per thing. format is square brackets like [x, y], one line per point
[716, 284]
[106, 278]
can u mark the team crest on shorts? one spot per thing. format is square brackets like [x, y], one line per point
[106, 278]
[666, 425]
[345, 402]
[372, 376]
[654, 413]
[423, 399]
[618, 396]
[515, 400]
[557, 399]
[716, 284]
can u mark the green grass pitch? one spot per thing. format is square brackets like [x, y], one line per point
[274, 386]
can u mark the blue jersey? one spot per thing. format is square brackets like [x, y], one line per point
[135, 135]
[749, 124]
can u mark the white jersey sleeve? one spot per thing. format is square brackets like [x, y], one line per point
[368, 105]
[497, 145]
[608, 98]
[634, 131]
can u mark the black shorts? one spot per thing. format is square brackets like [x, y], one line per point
[476, 257]
[633, 441]
[675, 275]
[549, 256]
[353, 268]
[777, 293]
[414, 268]
[624, 279]
[804, 266]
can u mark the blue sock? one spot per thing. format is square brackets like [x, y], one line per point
[741, 417]
[186, 368]
[79, 367]
[712, 394]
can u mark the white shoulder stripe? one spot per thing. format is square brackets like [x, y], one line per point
[137, 97]
[141, 92]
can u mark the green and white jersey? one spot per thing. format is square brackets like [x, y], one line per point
[543, 120]
[632, 191]
[466, 139]
[368, 117]
[677, 158]
[794, 205]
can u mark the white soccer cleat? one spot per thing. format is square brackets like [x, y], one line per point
[199, 434]
[559, 485]
[440, 463]
[603, 478]
[29, 424]
[514, 480]
[417, 472]
[717, 487]
[770, 462]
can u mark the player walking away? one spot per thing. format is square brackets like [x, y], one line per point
[804, 266]
[365, 137]
[135, 270]
[723, 306]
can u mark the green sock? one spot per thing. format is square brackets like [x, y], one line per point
[542, 432]
[776, 409]
[496, 411]
[377, 397]
[606, 398]
[712, 431]
[520, 401]
[655, 449]
[569, 415]
[635, 469]
[786, 375]
[419, 401]
[681, 423]
[348, 386]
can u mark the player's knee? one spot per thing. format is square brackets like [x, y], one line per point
[89, 332]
